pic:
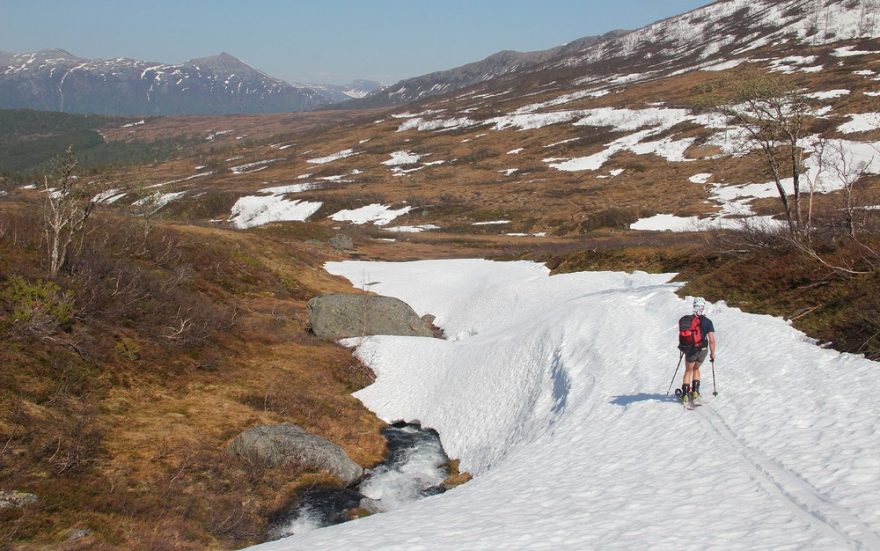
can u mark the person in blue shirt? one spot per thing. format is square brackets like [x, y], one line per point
[695, 356]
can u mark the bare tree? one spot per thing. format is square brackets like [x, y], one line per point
[68, 203]
[842, 169]
[773, 115]
[147, 205]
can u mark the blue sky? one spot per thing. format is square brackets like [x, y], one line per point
[319, 41]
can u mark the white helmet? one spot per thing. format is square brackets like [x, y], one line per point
[699, 305]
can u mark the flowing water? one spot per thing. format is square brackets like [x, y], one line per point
[415, 467]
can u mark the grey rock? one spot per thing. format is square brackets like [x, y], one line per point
[342, 242]
[13, 499]
[287, 444]
[78, 533]
[343, 316]
[370, 505]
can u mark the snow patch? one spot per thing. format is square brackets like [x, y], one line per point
[334, 157]
[860, 122]
[402, 158]
[255, 210]
[700, 178]
[379, 215]
[828, 94]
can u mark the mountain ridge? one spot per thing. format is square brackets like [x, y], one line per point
[57, 80]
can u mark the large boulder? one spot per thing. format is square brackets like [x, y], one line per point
[287, 444]
[343, 316]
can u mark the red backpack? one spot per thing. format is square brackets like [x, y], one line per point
[690, 336]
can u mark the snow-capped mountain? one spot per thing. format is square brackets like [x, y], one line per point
[57, 80]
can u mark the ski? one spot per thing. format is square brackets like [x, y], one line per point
[686, 403]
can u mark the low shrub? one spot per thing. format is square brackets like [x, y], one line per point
[38, 308]
[614, 217]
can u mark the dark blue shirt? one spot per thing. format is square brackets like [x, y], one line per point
[706, 327]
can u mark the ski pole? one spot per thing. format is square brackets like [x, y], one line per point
[676, 373]
[714, 389]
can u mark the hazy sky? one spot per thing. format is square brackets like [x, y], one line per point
[319, 41]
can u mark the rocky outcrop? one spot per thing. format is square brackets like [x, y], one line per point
[13, 499]
[287, 444]
[343, 316]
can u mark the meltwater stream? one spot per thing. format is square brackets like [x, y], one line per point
[416, 467]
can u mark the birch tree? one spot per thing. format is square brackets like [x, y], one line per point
[68, 202]
[773, 116]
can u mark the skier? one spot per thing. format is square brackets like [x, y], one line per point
[696, 341]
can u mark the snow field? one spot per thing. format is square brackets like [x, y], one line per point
[551, 391]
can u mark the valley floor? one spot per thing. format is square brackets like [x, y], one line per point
[551, 390]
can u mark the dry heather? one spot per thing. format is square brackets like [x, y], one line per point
[118, 419]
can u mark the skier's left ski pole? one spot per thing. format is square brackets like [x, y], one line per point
[714, 389]
[676, 373]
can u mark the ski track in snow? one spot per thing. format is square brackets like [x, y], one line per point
[546, 396]
[795, 492]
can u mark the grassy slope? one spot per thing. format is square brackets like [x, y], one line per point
[122, 431]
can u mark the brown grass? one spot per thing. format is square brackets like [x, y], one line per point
[129, 441]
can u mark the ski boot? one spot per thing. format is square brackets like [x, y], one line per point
[684, 399]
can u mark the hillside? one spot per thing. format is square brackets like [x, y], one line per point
[450, 80]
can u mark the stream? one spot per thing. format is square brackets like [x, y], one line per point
[415, 467]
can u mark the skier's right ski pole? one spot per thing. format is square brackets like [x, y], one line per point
[676, 373]
[714, 389]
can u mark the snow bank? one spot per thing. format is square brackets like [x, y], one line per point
[551, 391]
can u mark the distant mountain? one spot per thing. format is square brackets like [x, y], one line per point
[354, 90]
[495, 65]
[56, 80]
